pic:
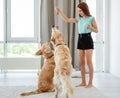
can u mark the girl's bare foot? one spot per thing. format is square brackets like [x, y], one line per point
[82, 84]
[89, 86]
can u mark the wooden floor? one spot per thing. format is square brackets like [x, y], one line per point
[108, 84]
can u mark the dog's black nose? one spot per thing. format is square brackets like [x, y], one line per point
[53, 26]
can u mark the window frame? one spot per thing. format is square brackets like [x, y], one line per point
[7, 38]
[1, 41]
[36, 24]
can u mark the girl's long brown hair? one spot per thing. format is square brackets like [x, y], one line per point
[84, 8]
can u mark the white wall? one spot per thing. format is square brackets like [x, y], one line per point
[114, 37]
[106, 31]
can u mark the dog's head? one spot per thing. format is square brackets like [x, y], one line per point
[45, 50]
[57, 37]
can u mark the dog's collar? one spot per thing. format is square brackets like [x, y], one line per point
[60, 44]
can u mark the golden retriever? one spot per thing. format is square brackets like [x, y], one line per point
[45, 80]
[63, 66]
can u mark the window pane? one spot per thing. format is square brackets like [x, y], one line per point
[21, 49]
[1, 21]
[22, 18]
[1, 50]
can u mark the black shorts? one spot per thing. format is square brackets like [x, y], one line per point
[85, 41]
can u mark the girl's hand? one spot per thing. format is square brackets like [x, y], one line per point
[89, 27]
[57, 10]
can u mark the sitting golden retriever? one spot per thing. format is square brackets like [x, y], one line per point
[63, 66]
[45, 80]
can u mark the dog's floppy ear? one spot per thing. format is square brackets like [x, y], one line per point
[39, 52]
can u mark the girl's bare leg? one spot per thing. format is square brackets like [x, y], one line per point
[88, 54]
[81, 54]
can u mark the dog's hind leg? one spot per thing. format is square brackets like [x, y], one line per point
[56, 83]
[56, 91]
[66, 84]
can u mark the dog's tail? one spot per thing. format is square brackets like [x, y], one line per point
[66, 84]
[31, 93]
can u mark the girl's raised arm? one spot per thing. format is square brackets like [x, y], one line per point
[64, 17]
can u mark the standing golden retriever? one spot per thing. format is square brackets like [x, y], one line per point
[45, 80]
[63, 68]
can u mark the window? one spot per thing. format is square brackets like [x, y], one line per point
[22, 22]
[21, 49]
[1, 21]
[1, 27]
[19, 27]
[22, 18]
[1, 50]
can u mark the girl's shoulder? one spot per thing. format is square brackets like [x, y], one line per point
[90, 18]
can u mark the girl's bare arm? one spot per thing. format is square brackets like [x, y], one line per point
[94, 26]
[65, 18]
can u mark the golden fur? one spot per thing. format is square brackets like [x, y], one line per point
[45, 80]
[63, 68]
